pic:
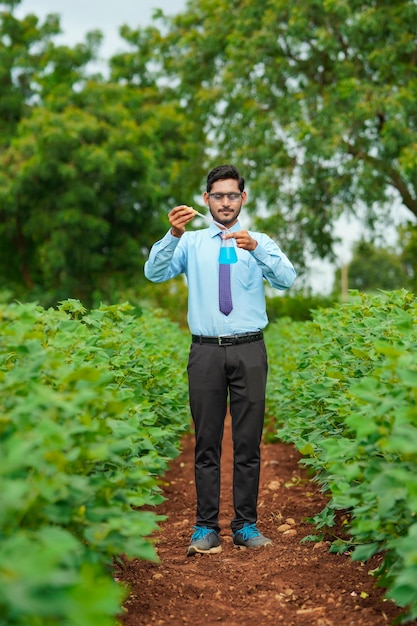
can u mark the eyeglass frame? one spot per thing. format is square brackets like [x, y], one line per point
[236, 195]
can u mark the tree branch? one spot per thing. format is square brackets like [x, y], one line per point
[392, 175]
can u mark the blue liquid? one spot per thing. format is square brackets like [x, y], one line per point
[227, 255]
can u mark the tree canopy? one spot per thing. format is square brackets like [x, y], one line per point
[315, 101]
[374, 267]
[88, 167]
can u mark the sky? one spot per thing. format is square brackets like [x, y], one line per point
[80, 16]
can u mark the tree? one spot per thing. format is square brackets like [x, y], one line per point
[316, 100]
[82, 191]
[87, 171]
[373, 267]
[408, 243]
[32, 66]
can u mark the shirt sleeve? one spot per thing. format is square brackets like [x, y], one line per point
[277, 269]
[166, 259]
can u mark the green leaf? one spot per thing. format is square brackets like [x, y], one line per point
[365, 552]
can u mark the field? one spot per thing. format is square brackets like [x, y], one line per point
[291, 583]
[94, 412]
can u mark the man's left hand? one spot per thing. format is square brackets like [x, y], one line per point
[243, 240]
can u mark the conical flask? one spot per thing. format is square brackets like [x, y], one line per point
[228, 252]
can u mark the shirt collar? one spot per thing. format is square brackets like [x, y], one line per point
[215, 230]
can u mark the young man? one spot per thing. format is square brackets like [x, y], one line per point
[227, 355]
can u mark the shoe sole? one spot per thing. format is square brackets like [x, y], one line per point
[264, 545]
[192, 550]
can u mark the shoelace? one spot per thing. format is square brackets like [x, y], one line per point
[200, 533]
[249, 532]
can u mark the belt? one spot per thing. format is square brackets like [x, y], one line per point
[229, 340]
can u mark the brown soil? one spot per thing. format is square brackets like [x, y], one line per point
[288, 583]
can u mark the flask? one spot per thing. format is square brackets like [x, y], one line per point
[228, 253]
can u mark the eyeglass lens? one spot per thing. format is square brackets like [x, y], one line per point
[233, 197]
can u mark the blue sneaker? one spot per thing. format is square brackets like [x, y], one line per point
[250, 537]
[204, 540]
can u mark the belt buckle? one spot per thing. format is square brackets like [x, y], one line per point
[223, 342]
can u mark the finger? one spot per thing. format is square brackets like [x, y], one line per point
[230, 236]
[180, 215]
[180, 209]
[182, 212]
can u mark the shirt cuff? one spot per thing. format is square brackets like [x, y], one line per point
[260, 254]
[169, 241]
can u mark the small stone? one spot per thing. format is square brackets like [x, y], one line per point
[283, 528]
[274, 485]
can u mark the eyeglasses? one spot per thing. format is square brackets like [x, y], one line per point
[218, 197]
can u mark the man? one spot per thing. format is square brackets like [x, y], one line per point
[227, 354]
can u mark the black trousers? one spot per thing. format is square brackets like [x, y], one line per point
[214, 374]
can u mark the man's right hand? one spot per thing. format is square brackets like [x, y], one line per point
[178, 217]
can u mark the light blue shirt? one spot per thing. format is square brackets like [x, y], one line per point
[196, 254]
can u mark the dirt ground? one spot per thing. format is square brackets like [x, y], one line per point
[288, 583]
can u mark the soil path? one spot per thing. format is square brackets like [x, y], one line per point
[288, 583]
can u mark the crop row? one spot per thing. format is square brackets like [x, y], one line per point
[92, 408]
[343, 389]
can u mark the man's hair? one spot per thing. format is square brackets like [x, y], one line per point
[223, 172]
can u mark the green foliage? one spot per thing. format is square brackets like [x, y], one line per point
[170, 297]
[92, 409]
[89, 167]
[373, 267]
[315, 101]
[82, 191]
[298, 307]
[345, 388]
[408, 242]
[32, 67]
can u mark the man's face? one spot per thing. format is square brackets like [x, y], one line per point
[225, 209]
